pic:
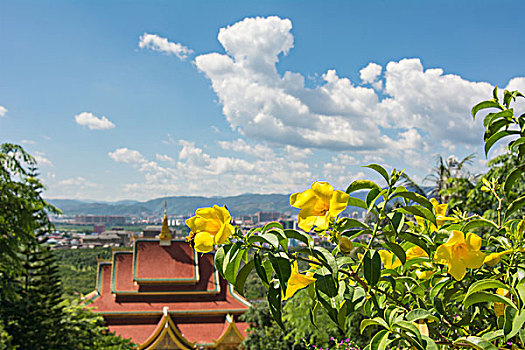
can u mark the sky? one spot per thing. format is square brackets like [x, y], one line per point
[144, 99]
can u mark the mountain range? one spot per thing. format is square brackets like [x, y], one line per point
[245, 204]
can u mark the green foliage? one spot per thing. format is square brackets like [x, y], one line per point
[32, 312]
[416, 273]
[78, 269]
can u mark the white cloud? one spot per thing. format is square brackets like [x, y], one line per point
[93, 122]
[157, 43]
[370, 73]
[76, 182]
[125, 155]
[259, 151]
[41, 159]
[3, 111]
[337, 114]
[164, 158]
[28, 142]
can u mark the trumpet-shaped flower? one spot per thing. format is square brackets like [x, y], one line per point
[418, 252]
[210, 226]
[460, 253]
[388, 259]
[297, 281]
[494, 258]
[318, 204]
[440, 211]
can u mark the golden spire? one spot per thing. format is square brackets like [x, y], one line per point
[165, 235]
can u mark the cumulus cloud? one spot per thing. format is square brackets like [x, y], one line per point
[164, 158]
[370, 73]
[125, 155]
[157, 43]
[93, 122]
[338, 114]
[3, 111]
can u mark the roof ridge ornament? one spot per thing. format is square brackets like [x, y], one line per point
[165, 235]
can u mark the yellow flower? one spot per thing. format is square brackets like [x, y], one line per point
[460, 253]
[440, 211]
[388, 259]
[210, 226]
[499, 308]
[318, 205]
[494, 258]
[418, 252]
[296, 281]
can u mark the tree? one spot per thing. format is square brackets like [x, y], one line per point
[32, 312]
[444, 172]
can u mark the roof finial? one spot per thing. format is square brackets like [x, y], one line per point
[165, 235]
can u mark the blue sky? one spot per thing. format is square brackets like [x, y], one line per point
[137, 100]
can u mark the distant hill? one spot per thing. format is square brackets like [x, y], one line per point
[245, 204]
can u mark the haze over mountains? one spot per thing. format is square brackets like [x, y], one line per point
[245, 204]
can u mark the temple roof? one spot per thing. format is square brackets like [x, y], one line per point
[141, 289]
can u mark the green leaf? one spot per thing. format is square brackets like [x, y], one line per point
[376, 321]
[493, 335]
[240, 280]
[271, 238]
[480, 222]
[409, 327]
[271, 225]
[496, 137]
[483, 285]
[413, 238]
[357, 202]
[325, 282]
[483, 105]
[420, 211]
[484, 297]
[219, 259]
[518, 320]
[233, 266]
[380, 170]
[300, 236]
[380, 340]
[282, 268]
[372, 267]
[397, 250]
[259, 268]
[361, 185]
[371, 197]
[415, 198]
[327, 258]
[476, 343]
[518, 143]
[429, 343]
[348, 223]
[420, 314]
[515, 206]
[508, 113]
[275, 306]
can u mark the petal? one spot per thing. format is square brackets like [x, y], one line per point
[475, 260]
[455, 238]
[323, 190]
[388, 259]
[338, 203]
[223, 234]
[322, 222]
[457, 269]
[306, 223]
[494, 258]
[416, 252]
[305, 199]
[222, 214]
[206, 213]
[297, 281]
[201, 224]
[473, 241]
[441, 209]
[444, 254]
[203, 242]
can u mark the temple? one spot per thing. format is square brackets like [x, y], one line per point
[164, 295]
